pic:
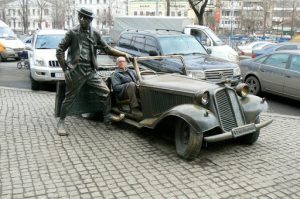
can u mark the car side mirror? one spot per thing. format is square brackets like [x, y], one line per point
[153, 53]
[208, 42]
[208, 51]
[28, 47]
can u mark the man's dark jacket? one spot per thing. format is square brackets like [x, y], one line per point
[72, 42]
[120, 80]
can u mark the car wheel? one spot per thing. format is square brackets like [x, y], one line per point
[34, 84]
[2, 59]
[254, 85]
[188, 142]
[251, 138]
[19, 65]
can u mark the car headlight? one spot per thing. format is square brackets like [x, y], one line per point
[233, 57]
[237, 71]
[203, 98]
[198, 74]
[38, 62]
[242, 89]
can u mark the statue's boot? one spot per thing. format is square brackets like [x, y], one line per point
[61, 130]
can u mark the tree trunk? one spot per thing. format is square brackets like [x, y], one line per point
[168, 7]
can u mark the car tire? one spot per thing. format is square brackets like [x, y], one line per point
[254, 85]
[250, 138]
[34, 84]
[188, 142]
[2, 59]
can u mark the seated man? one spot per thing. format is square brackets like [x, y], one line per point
[124, 83]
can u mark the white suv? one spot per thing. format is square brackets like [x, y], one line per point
[44, 66]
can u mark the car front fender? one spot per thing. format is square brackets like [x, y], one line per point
[253, 106]
[198, 117]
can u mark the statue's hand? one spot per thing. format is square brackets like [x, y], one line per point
[68, 76]
[129, 58]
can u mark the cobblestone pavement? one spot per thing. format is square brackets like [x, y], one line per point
[98, 161]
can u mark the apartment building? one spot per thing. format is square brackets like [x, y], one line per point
[61, 14]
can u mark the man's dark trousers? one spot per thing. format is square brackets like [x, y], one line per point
[81, 75]
[131, 95]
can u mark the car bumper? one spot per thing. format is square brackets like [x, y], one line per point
[46, 74]
[237, 132]
[9, 54]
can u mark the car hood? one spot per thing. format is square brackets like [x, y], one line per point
[181, 83]
[206, 62]
[47, 54]
[12, 43]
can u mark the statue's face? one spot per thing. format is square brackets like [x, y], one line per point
[84, 21]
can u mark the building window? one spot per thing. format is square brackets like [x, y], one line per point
[46, 12]
[141, 13]
[33, 12]
[135, 13]
[80, 1]
[172, 13]
[185, 13]
[104, 1]
[179, 13]
[91, 2]
[98, 1]
[14, 12]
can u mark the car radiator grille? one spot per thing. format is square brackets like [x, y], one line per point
[162, 101]
[53, 63]
[230, 114]
[218, 74]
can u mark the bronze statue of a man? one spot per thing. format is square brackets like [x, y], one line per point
[80, 67]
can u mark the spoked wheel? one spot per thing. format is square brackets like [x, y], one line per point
[26, 65]
[254, 85]
[188, 142]
[19, 65]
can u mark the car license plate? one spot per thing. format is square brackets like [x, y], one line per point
[105, 73]
[59, 74]
[243, 130]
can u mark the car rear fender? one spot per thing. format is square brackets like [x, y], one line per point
[198, 117]
[253, 106]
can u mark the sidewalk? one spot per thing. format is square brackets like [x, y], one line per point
[98, 161]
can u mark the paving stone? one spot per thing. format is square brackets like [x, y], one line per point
[118, 161]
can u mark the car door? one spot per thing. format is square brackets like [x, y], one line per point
[272, 72]
[292, 78]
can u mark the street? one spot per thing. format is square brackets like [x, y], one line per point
[10, 76]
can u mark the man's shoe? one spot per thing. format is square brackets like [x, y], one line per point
[61, 128]
[108, 119]
[137, 114]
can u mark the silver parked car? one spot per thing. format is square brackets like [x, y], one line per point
[277, 73]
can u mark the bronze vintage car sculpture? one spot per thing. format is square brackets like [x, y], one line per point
[198, 111]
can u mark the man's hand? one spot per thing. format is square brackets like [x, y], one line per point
[68, 76]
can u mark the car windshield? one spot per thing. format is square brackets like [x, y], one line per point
[6, 33]
[214, 37]
[48, 41]
[180, 45]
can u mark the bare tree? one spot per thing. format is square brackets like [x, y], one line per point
[24, 14]
[168, 7]
[41, 4]
[59, 13]
[266, 6]
[198, 6]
